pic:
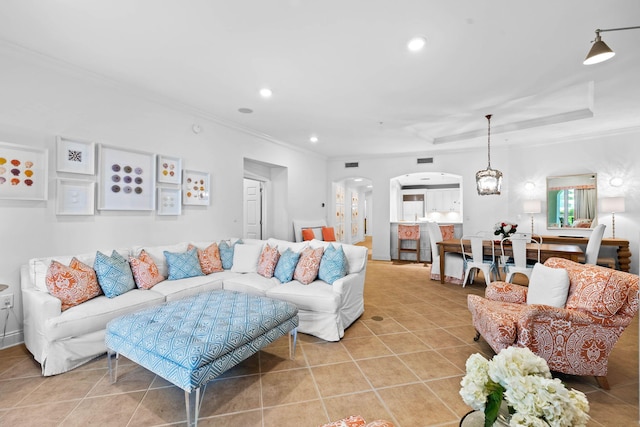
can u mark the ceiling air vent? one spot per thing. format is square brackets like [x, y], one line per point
[351, 165]
[425, 160]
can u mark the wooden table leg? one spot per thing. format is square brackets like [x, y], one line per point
[442, 264]
[624, 256]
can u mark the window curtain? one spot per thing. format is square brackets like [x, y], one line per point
[585, 203]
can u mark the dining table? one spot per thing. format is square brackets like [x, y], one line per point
[547, 250]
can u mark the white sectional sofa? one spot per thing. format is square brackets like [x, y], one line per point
[63, 340]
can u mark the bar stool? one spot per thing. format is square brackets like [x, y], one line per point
[409, 232]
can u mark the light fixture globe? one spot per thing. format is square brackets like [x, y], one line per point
[488, 181]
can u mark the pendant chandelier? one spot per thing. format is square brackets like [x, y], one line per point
[489, 180]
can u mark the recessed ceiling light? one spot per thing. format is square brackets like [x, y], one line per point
[265, 92]
[417, 43]
[358, 179]
[313, 139]
[616, 181]
[245, 110]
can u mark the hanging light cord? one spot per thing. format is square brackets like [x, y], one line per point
[488, 116]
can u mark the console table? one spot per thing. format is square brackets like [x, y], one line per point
[624, 253]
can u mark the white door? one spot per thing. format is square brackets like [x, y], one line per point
[252, 209]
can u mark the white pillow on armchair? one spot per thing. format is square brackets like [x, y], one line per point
[548, 286]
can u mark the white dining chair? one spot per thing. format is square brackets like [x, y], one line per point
[520, 263]
[475, 261]
[454, 265]
[593, 245]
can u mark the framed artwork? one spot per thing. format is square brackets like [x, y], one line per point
[169, 169]
[23, 172]
[127, 180]
[75, 156]
[169, 202]
[195, 188]
[75, 197]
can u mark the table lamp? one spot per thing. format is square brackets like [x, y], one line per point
[613, 205]
[532, 207]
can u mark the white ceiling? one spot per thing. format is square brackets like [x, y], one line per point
[339, 69]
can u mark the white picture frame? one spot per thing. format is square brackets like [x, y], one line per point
[127, 180]
[75, 197]
[195, 188]
[169, 170]
[24, 172]
[75, 156]
[169, 201]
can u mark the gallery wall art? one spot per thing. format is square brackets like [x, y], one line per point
[127, 179]
[23, 172]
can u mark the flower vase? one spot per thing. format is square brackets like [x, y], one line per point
[504, 417]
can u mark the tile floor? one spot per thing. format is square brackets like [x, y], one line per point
[405, 368]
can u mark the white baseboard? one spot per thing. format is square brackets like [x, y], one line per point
[11, 339]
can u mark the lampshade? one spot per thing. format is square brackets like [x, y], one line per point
[599, 52]
[488, 181]
[3, 287]
[532, 206]
[612, 204]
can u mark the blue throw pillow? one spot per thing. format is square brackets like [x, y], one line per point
[226, 253]
[333, 264]
[183, 264]
[114, 274]
[286, 266]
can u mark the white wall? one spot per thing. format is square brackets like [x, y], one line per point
[608, 156]
[41, 99]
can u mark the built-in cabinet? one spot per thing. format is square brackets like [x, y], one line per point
[443, 200]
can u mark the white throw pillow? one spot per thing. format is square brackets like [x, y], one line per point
[245, 258]
[548, 286]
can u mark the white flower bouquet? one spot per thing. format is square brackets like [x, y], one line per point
[504, 229]
[522, 379]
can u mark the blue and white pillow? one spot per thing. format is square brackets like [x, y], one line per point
[286, 266]
[183, 264]
[226, 253]
[333, 264]
[114, 274]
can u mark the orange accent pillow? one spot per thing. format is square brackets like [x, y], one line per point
[268, 261]
[328, 234]
[72, 285]
[307, 234]
[209, 258]
[145, 271]
[308, 265]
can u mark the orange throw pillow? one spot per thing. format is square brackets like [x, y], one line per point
[72, 285]
[209, 258]
[307, 234]
[328, 234]
[145, 271]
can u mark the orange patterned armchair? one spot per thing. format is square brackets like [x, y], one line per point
[576, 339]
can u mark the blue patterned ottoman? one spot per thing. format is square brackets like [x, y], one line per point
[193, 340]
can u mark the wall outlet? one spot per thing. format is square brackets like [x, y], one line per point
[6, 301]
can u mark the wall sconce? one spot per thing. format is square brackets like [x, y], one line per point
[613, 205]
[600, 51]
[532, 207]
